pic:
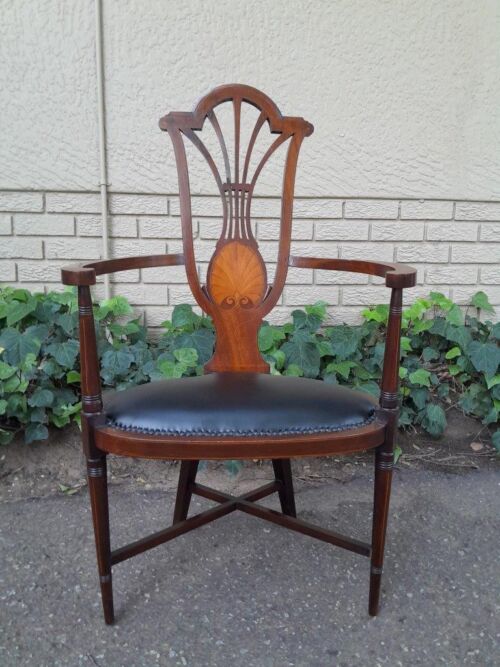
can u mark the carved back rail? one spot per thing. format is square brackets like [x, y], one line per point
[236, 294]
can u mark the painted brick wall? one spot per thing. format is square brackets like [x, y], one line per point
[454, 244]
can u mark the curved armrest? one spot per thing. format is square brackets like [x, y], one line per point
[85, 274]
[396, 275]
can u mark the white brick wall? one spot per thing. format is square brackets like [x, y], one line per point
[455, 245]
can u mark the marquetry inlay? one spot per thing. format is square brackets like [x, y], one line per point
[237, 275]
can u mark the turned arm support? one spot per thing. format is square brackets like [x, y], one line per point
[397, 277]
[85, 274]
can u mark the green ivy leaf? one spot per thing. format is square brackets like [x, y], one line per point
[17, 407]
[420, 377]
[67, 321]
[493, 381]
[459, 335]
[202, 340]
[38, 415]
[12, 384]
[434, 420]
[405, 344]
[17, 345]
[41, 398]
[117, 305]
[370, 387]
[495, 331]
[344, 341]
[187, 356]
[454, 352]
[65, 353]
[309, 322]
[124, 329]
[430, 353]
[294, 371]
[419, 396]
[73, 376]
[417, 310]
[485, 357]
[455, 316]
[491, 417]
[342, 368]
[269, 336]
[6, 371]
[18, 310]
[303, 354]
[324, 348]
[318, 309]
[279, 358]
[118, 361]
[441, 301]
[480, 300]
[419, 326]
[183, 317]
[438, 326]
[167, 368]
[379, 313]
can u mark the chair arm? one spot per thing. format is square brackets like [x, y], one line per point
[396, 275]
[85, 274]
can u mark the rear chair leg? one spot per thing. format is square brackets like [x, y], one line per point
[383, 477]
[283, 473]
[98, 490]
[187, 477]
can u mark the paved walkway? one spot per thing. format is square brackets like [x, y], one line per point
[241, 592]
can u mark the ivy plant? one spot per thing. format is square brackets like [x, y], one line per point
[449, 358]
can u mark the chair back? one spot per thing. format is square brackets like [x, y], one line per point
[236, 293]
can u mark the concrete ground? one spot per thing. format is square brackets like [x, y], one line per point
[241, 592]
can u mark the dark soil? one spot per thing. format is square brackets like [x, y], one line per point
[57, 465]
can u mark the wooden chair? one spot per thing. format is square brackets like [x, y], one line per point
[237, 410]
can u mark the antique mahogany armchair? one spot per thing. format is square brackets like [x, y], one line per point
[237, 410]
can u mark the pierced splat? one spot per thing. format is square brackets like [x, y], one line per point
[236, 294]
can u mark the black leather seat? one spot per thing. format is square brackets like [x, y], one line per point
[238, 404]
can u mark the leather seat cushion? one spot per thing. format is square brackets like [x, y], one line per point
[238, 404]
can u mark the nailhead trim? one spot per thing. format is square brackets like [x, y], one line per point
[240, 432]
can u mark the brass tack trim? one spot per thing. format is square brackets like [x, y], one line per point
[105, 578]
[376, 570]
